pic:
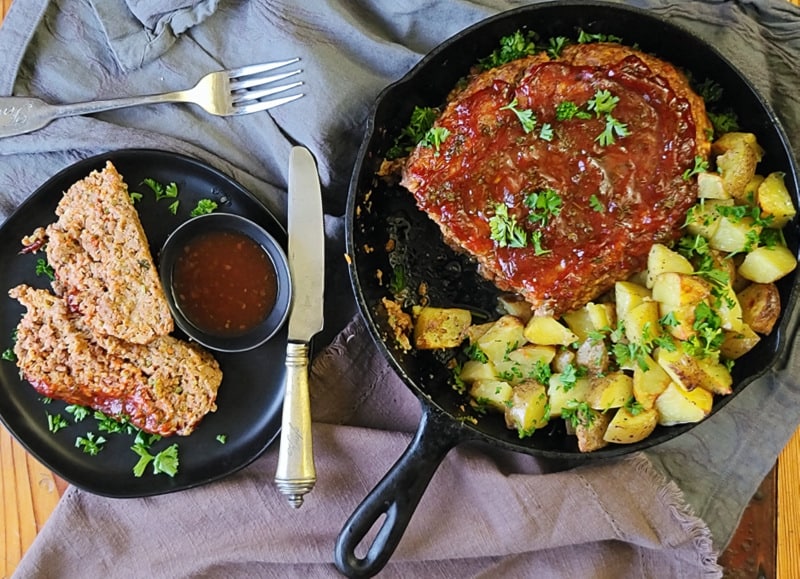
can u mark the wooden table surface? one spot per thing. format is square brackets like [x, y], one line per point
[767, 543]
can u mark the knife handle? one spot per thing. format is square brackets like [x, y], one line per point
[295, 475]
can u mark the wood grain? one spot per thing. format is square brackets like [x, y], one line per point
[763, 546]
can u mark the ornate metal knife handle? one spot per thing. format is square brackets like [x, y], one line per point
[296, 475]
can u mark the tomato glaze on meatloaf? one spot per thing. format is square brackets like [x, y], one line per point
[617, 199]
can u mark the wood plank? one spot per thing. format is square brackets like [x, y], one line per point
[789, 510]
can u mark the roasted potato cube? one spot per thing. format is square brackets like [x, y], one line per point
[475, 331]
[610, 391]
[751, 191]
[703, 218]
[473, 370]
[729, 140]
[504, 336]
[627, 428]
[728, 308]
[436, 328]
[711, 186]
[563, 395]
[548, 331]
[691, 372]
[491, 395]
[737, 344]
[737, 165]
[676, 405]
[773, 198]
[681, 320]
[522, 363]
[650, 383]
[528, 409]
[735, 235]
[593, 355]
[514, 305]
[761, 306]
[641, 324]
[590, 432]
[680, 289]
[590, 318]
[662, 259]
[565, 357]
[767, 264]
[628, 295]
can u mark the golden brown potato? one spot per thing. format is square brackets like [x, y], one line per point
[514, 305]
[527, 409]
[627, 296]
[503, 336]
[546, 330]
[729, 140]
[562, 396]
[676, 405]
[737, 344]
[610, 391]
[662, 259]
[761, 306]
[650, 383]
[679, 289]
[627, 428]
[711, 186]
[774, 199]
[491, 394]
[437, 328]
[594, 356]
[590, 435]
[691, 372]
[767, 264]
[737, 165]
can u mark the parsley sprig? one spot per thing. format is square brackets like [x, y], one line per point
[525, 116]
[505, 230]
[543, 204]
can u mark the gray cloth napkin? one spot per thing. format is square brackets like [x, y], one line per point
[664, 513]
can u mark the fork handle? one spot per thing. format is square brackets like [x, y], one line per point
[90, 107]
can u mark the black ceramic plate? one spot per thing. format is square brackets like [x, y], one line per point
[251, 394]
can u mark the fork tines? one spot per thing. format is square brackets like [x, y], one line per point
[247, 86]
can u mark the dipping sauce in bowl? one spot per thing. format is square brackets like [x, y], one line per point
[227, 281]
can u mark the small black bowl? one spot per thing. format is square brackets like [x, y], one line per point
[225, 341]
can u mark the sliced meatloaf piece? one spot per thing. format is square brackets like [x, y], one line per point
[610, 199]
[102, 260]
[165, 387]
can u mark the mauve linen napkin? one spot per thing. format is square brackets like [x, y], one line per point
[663, 513]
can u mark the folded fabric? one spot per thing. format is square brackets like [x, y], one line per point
[652, 515]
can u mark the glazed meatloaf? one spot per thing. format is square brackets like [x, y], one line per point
[558, 175]
[165, 387]
[102, 261]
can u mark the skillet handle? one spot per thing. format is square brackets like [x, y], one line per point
[396, 496]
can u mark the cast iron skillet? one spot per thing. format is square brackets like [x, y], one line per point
[378, 211]
[251, 394]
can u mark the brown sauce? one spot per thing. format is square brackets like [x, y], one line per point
[224, 283]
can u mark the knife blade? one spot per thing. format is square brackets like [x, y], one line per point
[295, 475]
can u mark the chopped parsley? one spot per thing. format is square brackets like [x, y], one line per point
[162, 191]
[700, 166]
[634, 406]
[546, 132]
[578, 414]
[9, 355]
[134, 196]
[526, 117]
[45, 269]
[165, 462]
[603, 102]
[568, 110]
[586, 37]
[536, 239]
[203, 207]
[79, 413]
[613, 127]
[90, 444]
[596, 204]
[56, 422]
[556, 44]
[543, 205]
[505, 230]
[512, 47]
[222, 438]
[474, 352]
[434, 138]
[421, 121]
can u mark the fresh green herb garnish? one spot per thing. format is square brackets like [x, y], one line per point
[526, 117]
[541, 372]
[543, 205]
[634, 406]
[165, 461]
[596, 204]
[700, 166]
[474, 352]
[578, 414]
[512, 47]
[421, 121]
[613, 127]
[586, 37]
[538, 248]
[398, 283]
[505, 230]
[222, 438]
[56, 422]
[556, 44]
[434, 138]
[546, 132]
[173, 207]
[203, 207]
[90, 444]
[162, 191]
[79, 413]
[725, 122]
[44, 268]
[567, 110]
[603, 102]
[9, 355]
[134, 196]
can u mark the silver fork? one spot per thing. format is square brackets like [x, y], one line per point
[239, 91]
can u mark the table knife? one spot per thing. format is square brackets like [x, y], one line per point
[296, 475]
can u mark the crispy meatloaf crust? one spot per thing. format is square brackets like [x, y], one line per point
[164, 387]
[102, 260]
[616, 198]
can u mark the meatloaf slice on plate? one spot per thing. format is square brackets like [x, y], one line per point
[164, 387]
[102, 261]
